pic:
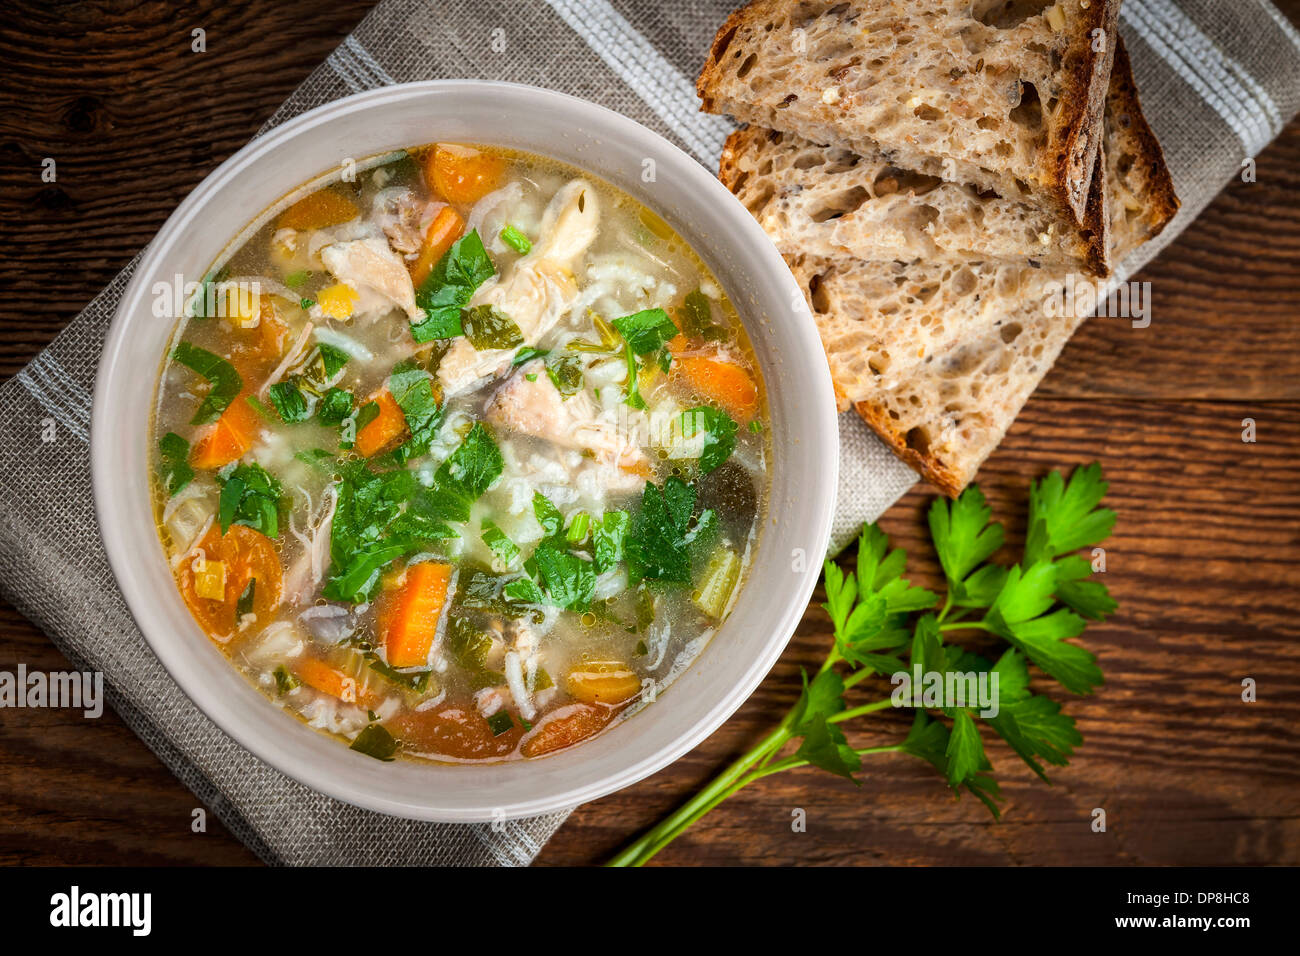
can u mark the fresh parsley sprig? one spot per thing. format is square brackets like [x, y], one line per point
[884, 625]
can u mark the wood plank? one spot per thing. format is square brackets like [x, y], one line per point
[1202, 564]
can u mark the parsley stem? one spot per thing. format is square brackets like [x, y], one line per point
[966, 625]
[947, 606]
[861, 711]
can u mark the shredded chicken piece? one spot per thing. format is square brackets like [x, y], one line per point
[297, 352]
[535, 407]
[376, 272]
[306, 572]
[535, 293]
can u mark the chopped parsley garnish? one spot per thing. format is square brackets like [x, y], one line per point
[505, 550]
[450, 286]
[646, 331]
[412, 389]
[487, 327]
[249, 496]
[375, 741]
[174, 466]
[527, 353]
[334, 406]
[658, 542]
[289, 401]
[608, 535]
[226, 383]
[499, 723]
[717, 430]
[565, 372]
[696, 318]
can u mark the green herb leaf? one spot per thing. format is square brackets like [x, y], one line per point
[249, 496]
[487, 327]
[963, 535]
[646, 331]
[412, 389]
[375, 741]
[1019, 615]
[290, 402]
[505, 550]
[174, 467]
[226, 383]
[696, 318]
[565, 372]
[608, 537]
[658, 542]
[450, 286]
[334, 406]
[1063, 519]
[719, 434]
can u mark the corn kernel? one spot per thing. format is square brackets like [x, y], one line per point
[338, 301]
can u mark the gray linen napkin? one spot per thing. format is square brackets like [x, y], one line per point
[1218, 81]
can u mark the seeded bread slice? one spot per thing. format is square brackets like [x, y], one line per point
[827, 201]
[1006, 95]
[952, 411]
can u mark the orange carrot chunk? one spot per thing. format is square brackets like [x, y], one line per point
[216, 574]
[461, 174]
[384, 430]
[327, 679]
[718, 379]
[442, 232]
[409, 620]
[318, 210]
[566, 727]
[228, 438]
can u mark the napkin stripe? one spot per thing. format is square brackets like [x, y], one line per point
[660, 85]
[1286, 26]
[355, 66]
[49, 401]
[1235, 77]
[1222, 82]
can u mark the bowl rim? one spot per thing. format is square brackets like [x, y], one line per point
[749, 239]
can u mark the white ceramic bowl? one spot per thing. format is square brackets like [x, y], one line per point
[685, 194]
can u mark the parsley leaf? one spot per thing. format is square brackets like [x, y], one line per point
[487, 327]
[646, 331]
[450, 286]
[174, 467]
[719, 434]
[226, 383]
[505, 550]
[249, 496]
[696, 318]
[334, 406]
[963, 537]
[608, 537]
[1019, 615]
[289, 401]
[412, 389]
[1065, 518]
[658, 542]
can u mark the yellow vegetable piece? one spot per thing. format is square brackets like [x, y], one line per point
[603, 682]
[338, 301]
[243, 306]
[656, 225]
[210, 582]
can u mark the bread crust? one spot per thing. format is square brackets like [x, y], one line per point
[1074, 139]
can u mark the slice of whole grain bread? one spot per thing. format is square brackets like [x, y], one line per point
[1006, 95]
[829, 201]
[953, 410]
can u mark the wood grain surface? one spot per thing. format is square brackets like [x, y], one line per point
[1203, 561]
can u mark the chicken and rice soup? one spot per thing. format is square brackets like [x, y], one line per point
[461, 457]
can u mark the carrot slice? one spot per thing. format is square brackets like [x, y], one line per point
[409, 619]
[327, 679]
[442, 232]
[382, 431]
[461, 174]
[453, 733]
[228, 438]
[718, 379]
[239, 556]
[318, 210]
[566, 727]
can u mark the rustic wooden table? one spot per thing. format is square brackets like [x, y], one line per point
[1203, 561]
